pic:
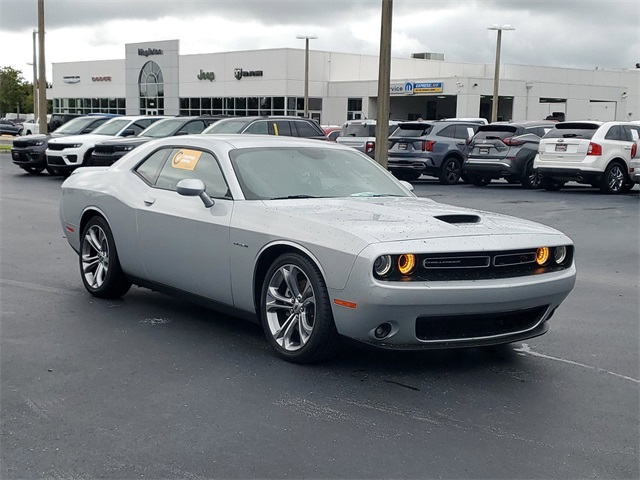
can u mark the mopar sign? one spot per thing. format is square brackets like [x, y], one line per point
[409, 88]
[239, 73]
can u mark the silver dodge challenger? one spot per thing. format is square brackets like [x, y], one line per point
[314, 240]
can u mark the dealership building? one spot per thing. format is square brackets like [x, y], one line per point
[155, 79]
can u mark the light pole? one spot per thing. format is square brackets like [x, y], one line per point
[496, 75]
[306, 71]
[384, 85]
[42, 77]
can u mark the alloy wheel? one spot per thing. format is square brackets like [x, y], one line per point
[95, 256]
[290, 307]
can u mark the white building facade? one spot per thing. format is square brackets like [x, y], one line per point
[155, 79]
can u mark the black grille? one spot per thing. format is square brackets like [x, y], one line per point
[55, 160]
[60, 146]
[451, 327]
[104, 149]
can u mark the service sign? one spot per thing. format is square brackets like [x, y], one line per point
[428, 87]
[186, 159]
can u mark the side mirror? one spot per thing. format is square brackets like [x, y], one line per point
[129, 132]
[182, 132]
[407, 185]
[193, 187]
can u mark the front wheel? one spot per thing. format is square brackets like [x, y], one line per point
[99, 264]
[450, 171]
[613, 180]
[295, 311]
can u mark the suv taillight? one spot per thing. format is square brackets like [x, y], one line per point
[427, 145]
[594, 149]
[634, 150]
[369, 147]
[512, 142]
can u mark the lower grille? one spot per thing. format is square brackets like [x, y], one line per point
[55, 160]
[456, 327]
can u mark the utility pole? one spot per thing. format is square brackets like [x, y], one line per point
[384, 74]
[306, 71]
[35, 80]
[42, 84]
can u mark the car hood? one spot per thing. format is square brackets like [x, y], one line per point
[88, 138]
[399, 219]
[126, 141]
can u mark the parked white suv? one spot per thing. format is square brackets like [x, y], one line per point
[68, 153]
[595, 153]
[361, 135]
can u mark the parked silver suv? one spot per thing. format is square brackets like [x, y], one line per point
[595, 153]
[361, 135]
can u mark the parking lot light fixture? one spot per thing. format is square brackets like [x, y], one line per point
[496, 76]
[306, 71]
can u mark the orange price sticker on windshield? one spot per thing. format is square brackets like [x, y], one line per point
[186, 159]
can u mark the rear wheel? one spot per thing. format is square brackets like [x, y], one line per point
[531, 177]
[614, 179]
[550, 184]
[99, 264]
[33, 170]
[295, 311]
[450, 171]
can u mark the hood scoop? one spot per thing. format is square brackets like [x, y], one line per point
[455, 219]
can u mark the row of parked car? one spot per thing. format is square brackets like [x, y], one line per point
[534, 154]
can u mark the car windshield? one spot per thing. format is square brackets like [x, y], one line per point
[226, 126]
[163, 128]
[412, 130]
[310, 172]
[112, 127]
[76, 125]
[359, 130]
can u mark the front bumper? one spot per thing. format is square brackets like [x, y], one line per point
[28, 157]
[65, 160]
[430, 315]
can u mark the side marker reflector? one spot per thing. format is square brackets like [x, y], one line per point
[344, 303]
[69, 229]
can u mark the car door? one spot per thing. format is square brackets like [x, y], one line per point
[631, 141]
[615, 144]
[182, 243]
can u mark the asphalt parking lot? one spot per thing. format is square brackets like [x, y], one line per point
[154, 387]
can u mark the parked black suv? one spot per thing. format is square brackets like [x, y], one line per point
[59, 119]
[435, 148]
[287, 126]
[505, 150]
[106, 153]
[29, 152]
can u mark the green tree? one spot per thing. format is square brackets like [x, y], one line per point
[14, 92]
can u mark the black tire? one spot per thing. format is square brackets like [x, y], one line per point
[531, 179]
[407, 175]
[33, 170]
[450, 171]
[550, 184]
[614, 179]
[309, 314]
[53, 172]
[100, 268]
[627, 187]
[478, 180]
[465, 177]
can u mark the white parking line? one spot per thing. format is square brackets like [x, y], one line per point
[527, 350]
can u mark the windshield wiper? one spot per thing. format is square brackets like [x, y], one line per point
[294, 196]
[372, 194]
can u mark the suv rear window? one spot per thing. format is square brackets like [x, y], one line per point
[412, 130]
[495, 131]
[359, 130]
[573, 130]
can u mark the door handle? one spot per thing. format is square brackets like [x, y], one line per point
[149, 201]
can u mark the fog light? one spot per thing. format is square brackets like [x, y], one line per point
[560, 254]
[542, 255]
[382, 331]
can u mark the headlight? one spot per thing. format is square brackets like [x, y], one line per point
[126, 148]
[383, 265]
[406, 263]
[560, 254]
[39, 143]
[75, 145]
[542, 255]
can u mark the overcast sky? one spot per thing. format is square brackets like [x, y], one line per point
[563, 33]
